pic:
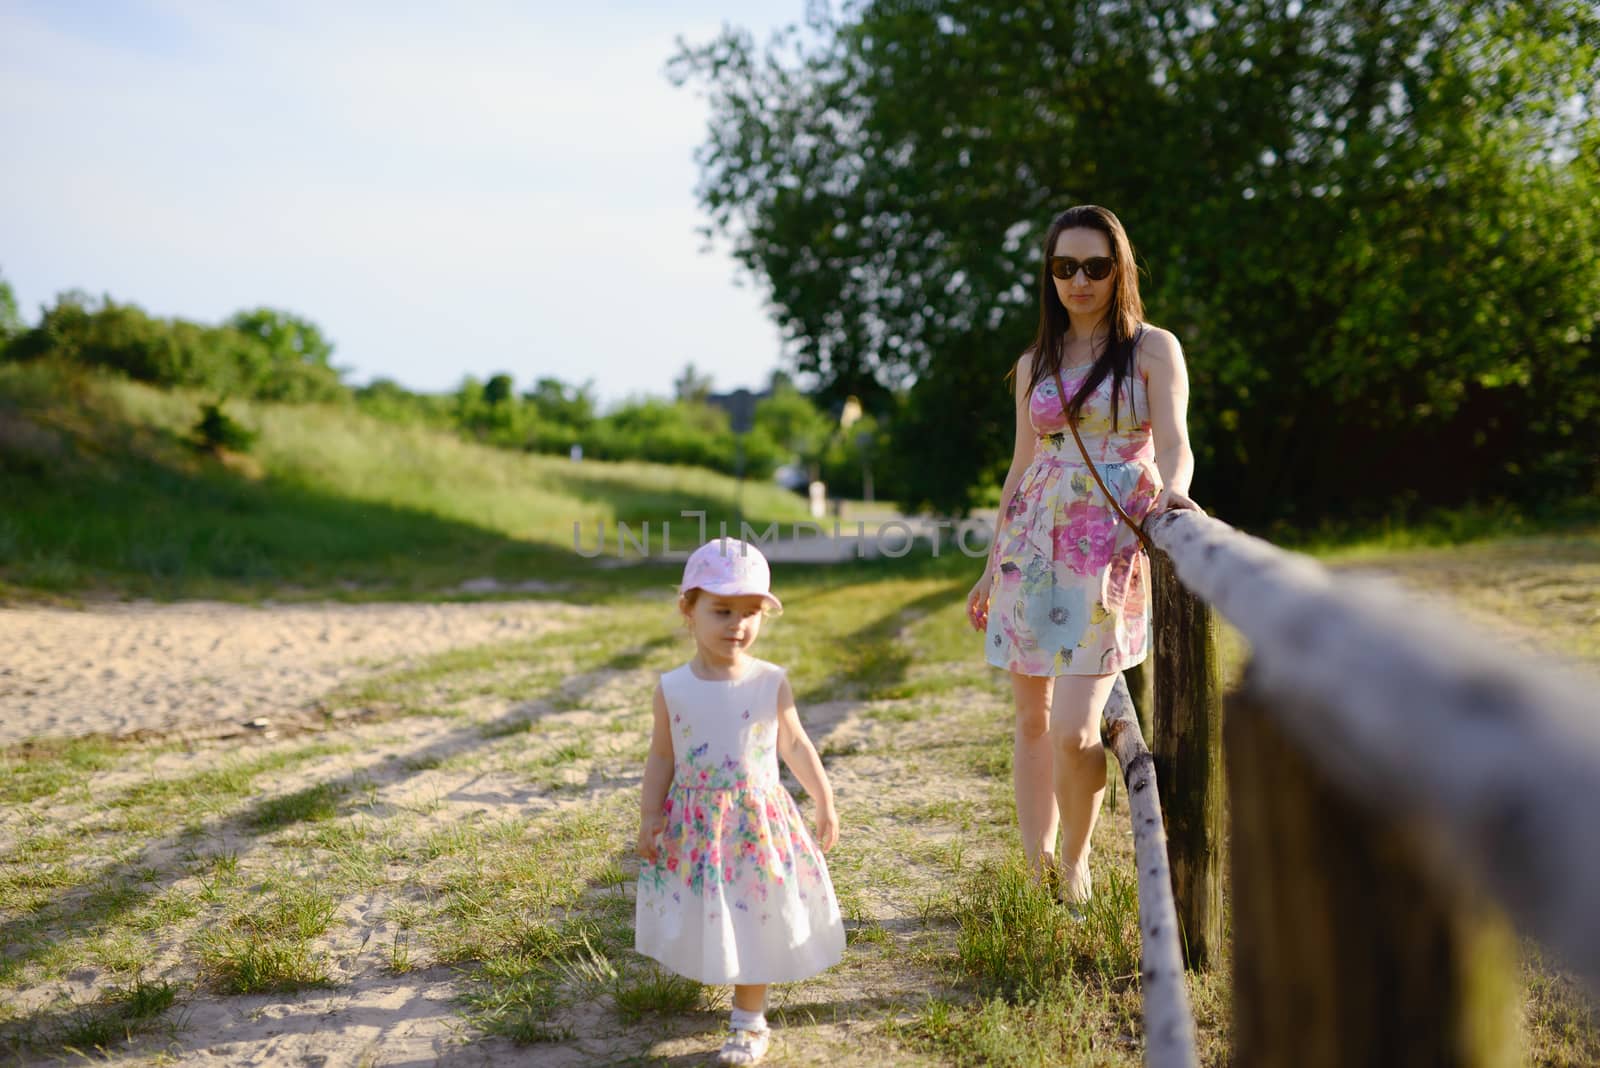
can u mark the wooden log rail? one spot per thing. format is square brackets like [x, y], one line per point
[1389, 772]
[1168, 1023]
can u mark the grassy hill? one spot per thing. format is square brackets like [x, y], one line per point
[102, 490]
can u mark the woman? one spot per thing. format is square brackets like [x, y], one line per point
[1064, 599]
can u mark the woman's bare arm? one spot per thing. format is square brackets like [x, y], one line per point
[1167, 386]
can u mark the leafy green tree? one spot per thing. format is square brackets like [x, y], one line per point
[388, 399]
[850, 453]
[288, 337]
[99, 332]
[288, 357]
[472, 413]
[499, 390]
[1370, 224]
[276, 357]
[670, 432]
[691, 385]
[793, 423]
[10, 318]
[556, 402]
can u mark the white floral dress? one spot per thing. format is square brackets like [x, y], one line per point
[739, 892]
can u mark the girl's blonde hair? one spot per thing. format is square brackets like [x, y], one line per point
[691, 596]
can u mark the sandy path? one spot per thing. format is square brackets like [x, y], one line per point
[199, 666]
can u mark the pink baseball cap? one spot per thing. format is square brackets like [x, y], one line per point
[731, 568]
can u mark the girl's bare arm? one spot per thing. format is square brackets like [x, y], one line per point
[795, 747]
[657, 778]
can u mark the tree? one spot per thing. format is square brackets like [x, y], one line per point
[388, 399]
[499, 390]
[10, 319]
[250, 356]
[568, 406]
[286, 356]
[691, 385]
[793, 422]
[287, 337]
[1370, 224]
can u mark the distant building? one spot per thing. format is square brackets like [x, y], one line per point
[740, 406]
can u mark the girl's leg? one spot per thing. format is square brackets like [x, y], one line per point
[749, 1036]
[1031, 770]
[1080, 770]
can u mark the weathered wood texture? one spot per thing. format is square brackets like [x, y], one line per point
[1344, 950]
[1187, 744]
[1493, 759]
[1168, 1024]
[1141, 689]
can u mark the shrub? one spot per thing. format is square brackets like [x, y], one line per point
[217, 430]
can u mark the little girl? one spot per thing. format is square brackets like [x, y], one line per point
[733, 889]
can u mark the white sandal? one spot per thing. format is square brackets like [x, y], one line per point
[745, 1046]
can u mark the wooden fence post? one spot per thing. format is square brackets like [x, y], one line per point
[1344, 951]
[1187, 747]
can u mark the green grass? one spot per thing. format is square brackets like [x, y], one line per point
[487, 879]
[258, 964]
[1547, 584]
[500, 849]
[90, 897]
[40, 769]
[652, 990]
[520, 989]
[1439, 528]
[1015, 940]
[157, 798]
[265, 946]
[101, 1026]
[1559, 1019]
[1060, 1025]
[106, 494]
[319, 802]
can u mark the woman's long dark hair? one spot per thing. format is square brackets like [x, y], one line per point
[1123, 315]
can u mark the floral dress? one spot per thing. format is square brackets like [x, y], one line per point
[1071, 586]
[739, 892]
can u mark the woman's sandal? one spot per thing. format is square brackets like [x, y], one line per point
[745, 1046]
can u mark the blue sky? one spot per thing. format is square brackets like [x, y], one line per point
[444, 188]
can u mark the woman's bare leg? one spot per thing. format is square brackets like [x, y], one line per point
[1032, 770]
[1080, 770]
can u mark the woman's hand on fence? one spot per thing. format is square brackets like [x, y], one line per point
[1171, 499]
[978, 601]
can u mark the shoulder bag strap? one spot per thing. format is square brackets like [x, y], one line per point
[1138, 529]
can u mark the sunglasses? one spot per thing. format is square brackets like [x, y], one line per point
[1096, 267]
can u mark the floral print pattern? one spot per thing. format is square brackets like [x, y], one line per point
[739, 891]
[1070, 593]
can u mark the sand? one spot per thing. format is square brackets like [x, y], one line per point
[204, 668]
